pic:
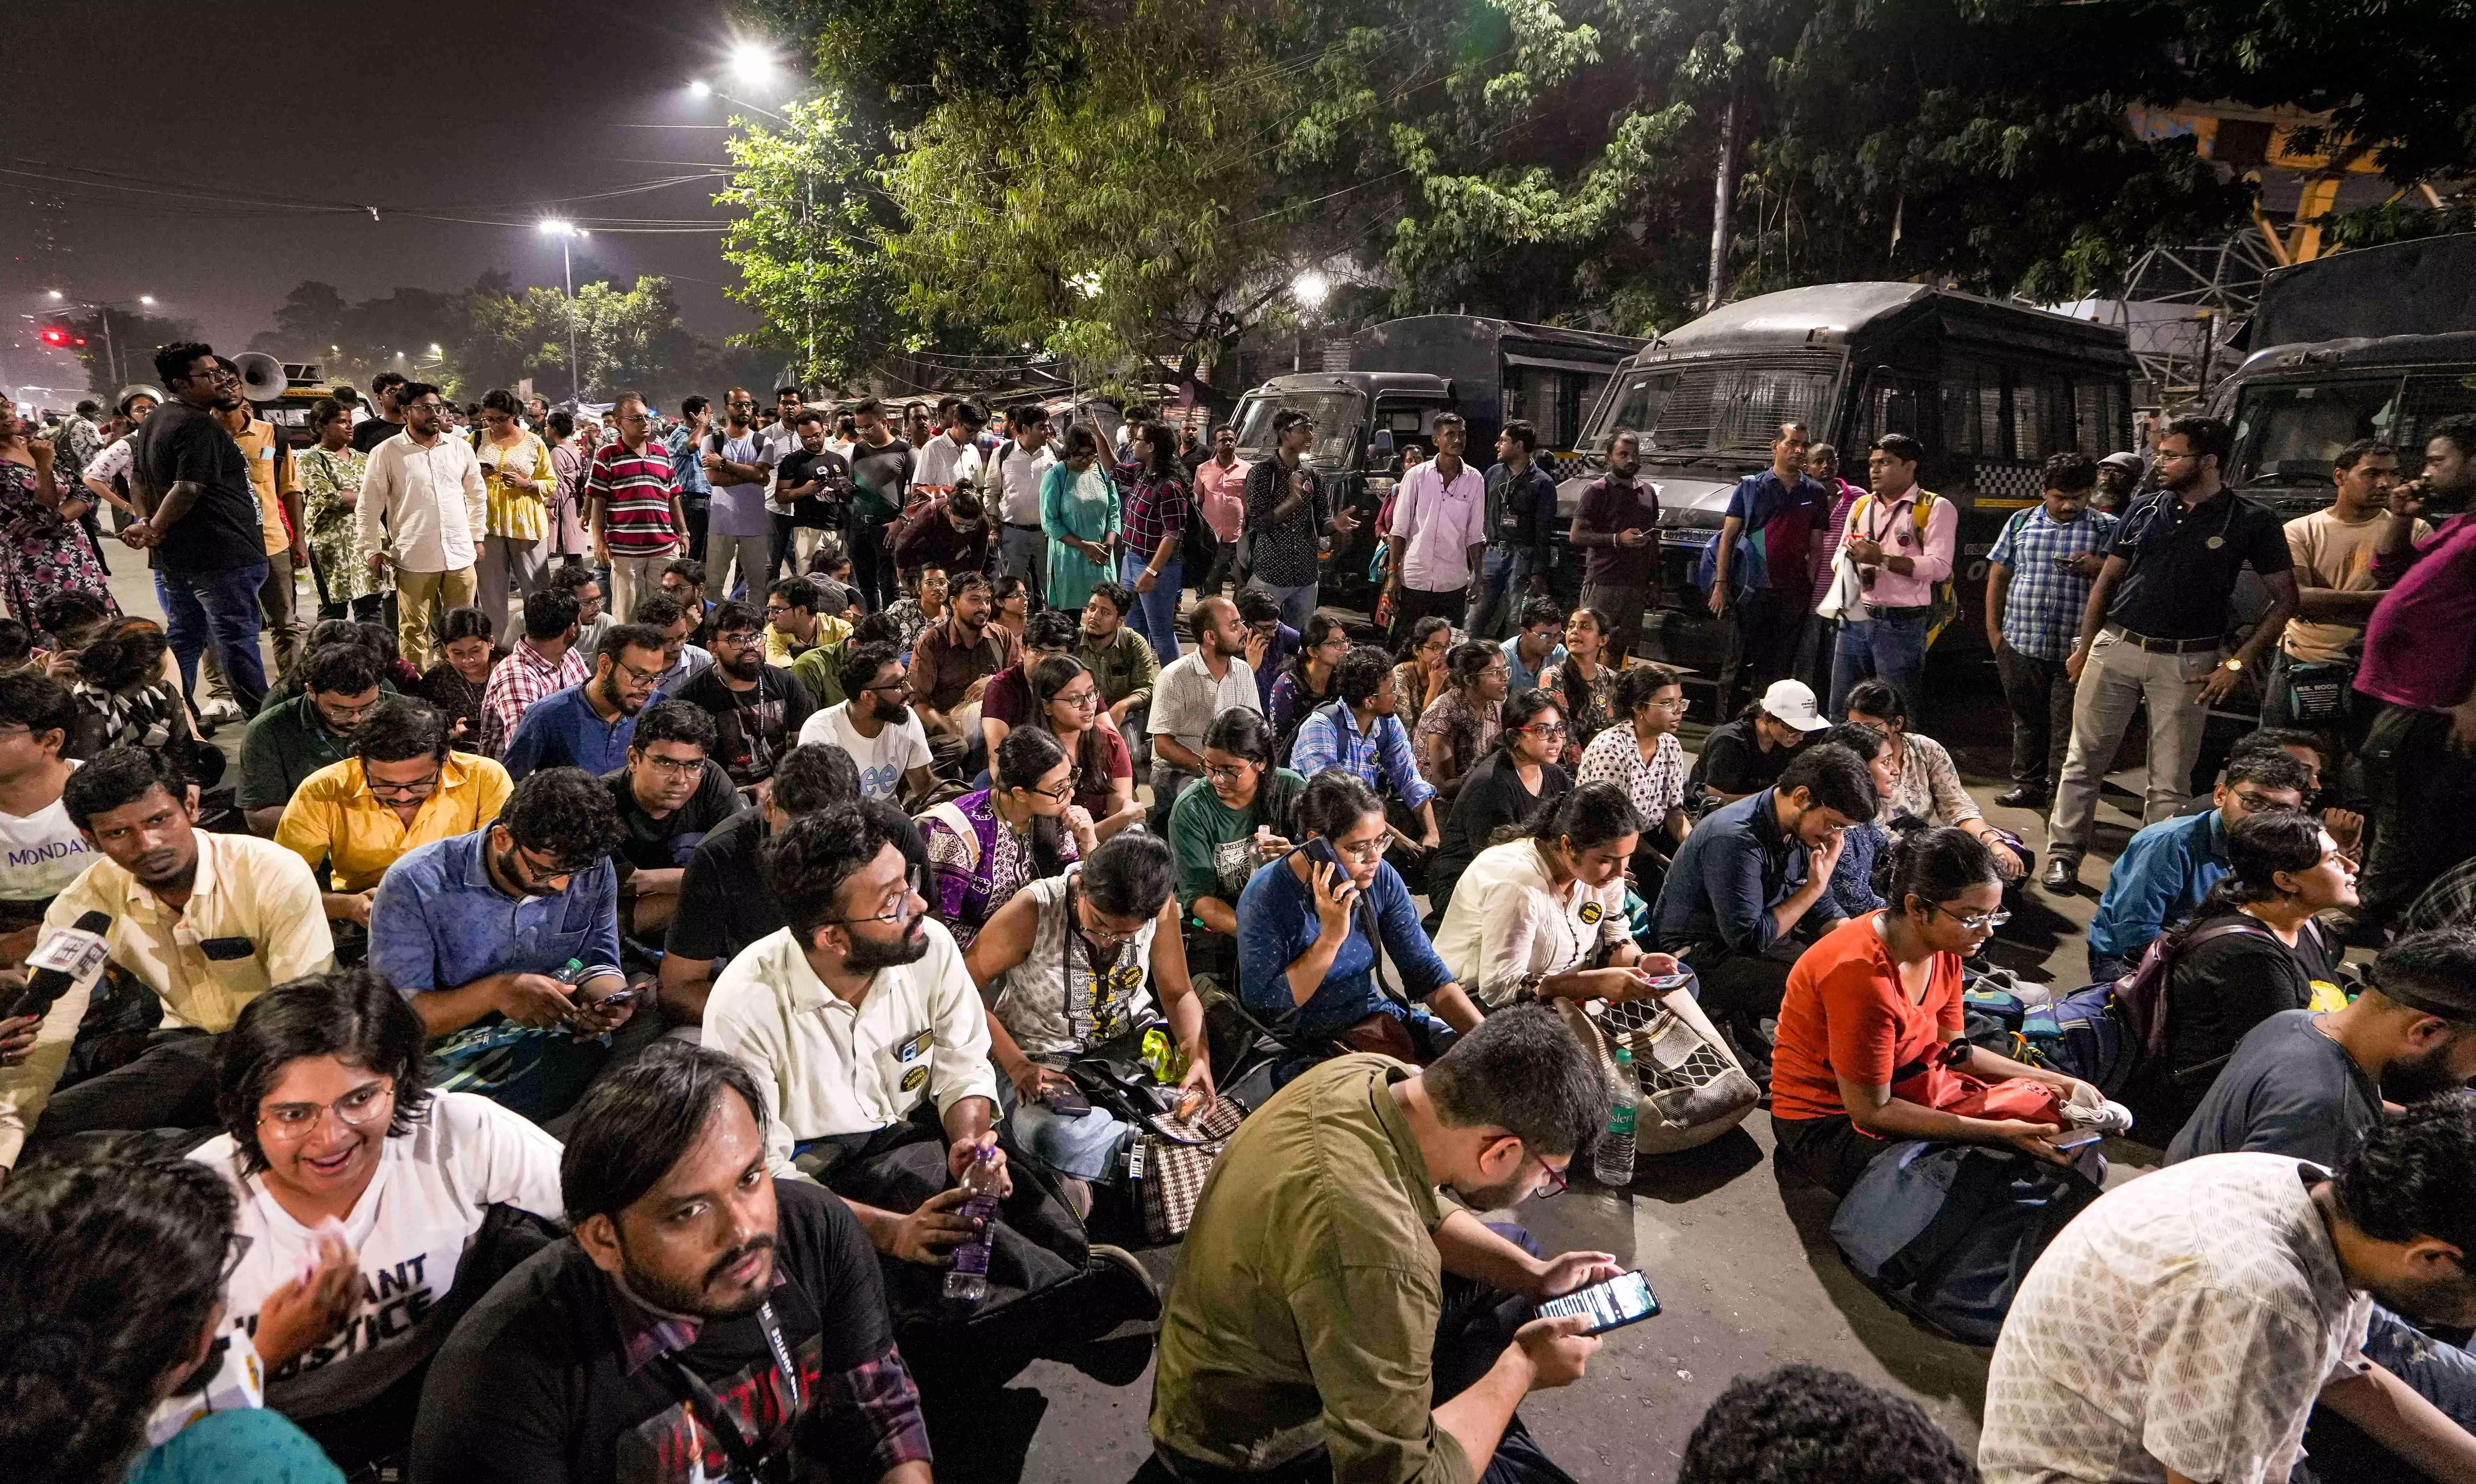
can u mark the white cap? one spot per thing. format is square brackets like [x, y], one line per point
[1792, 702]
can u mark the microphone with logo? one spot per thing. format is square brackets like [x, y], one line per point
[71, 959]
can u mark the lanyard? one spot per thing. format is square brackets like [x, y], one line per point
[746, 1460]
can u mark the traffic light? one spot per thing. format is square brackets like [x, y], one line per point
[54, 334]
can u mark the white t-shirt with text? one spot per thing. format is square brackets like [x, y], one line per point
[41, 853]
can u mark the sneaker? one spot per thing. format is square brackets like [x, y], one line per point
[2023, 798]
[2063, 875]
[2106, 1117]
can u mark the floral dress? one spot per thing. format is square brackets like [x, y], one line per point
[1468, 725]
[40, 553]
[327, 476]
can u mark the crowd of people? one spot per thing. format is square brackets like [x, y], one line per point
[725, 936]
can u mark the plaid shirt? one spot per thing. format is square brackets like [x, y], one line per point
[2450, 902]
[635, 489]
[1155, 507]
[2042, 609]
[516, 682]
[1329, 738]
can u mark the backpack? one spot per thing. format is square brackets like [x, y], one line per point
[1949, 1232]
[1947, 593]
[1747, 573]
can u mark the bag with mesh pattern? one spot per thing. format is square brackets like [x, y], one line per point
[1690, 1089]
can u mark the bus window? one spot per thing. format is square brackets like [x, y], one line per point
[1972, 407]
[2038, 415]
[2288, 433]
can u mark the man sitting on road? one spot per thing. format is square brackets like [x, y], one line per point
[290, 741]
[951, 666]
[1335, 1319]
[1357, 729]
[2165, 869]
[548, 657]
[757, 708]
[589, 725]
[875, 727]
[1007, 700]
[671, 795]
[1191, 691]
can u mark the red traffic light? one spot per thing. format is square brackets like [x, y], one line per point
[56, 337]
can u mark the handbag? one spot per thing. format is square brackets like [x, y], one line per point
[1846, 597]
[1689, 1089]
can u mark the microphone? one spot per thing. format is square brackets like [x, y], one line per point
[71, 959]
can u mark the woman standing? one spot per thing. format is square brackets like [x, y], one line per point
[1421, 675]
[1156, 516]
[330, 487]
[1456, 729]
[41, 548]
[1221, 834]
[1079, 510]
[1511, 785]
[1066, 702]
[1305, 682]
[519, 482]
[985, 847]
[571, 461]
[1535, 909]
[1584, 688]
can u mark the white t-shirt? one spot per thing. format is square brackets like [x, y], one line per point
[883, 759]
[1507, 921]
[41, 853]
[939, 458]
[433, 1188]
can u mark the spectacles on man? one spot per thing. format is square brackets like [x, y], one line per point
[1558, 1182]
[290, 1123]
[675, 767]
[418, 788]
[898, 908]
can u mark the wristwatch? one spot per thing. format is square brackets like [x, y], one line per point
[2233, 662]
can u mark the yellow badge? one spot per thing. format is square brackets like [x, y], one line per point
[912, 1079]
[1591, 914]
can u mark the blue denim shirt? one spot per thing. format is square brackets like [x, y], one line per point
[2160, 877]
[1731, 871]
[1276, 920]
[1521, 677]
[562, 731]
[439, 921]
[693, 484]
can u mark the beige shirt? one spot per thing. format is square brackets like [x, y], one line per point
[1507, 922]
[830, 1067]
[251, 893]
[2333, 553]
[424, 503]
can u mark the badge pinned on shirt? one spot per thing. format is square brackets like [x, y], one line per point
[912, 1079]
[2214, 542]
[912, 1049]
[1591, 914]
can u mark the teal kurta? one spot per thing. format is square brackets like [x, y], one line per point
[1076, 505]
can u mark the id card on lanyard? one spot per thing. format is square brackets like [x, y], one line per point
[749, 1463]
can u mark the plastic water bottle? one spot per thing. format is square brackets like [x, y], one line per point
[968, 1281]
[1612, 1160]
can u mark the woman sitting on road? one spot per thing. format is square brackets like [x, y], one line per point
[1458, 727]
[1872, 1010]
[1852, 891]
[1224, 833]
[1644, 759]
[1926, 785]
[1064, 966]
[1747, 755]
[1066, 702]
[1511, 785]
[1305, 682]
[1308, 927]
[1421, 675]
[1534, 912]
[986, 846]
[1584, 684]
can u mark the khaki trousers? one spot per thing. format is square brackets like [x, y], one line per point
[422, 600]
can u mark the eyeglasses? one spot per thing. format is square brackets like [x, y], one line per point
[1973, 922]
[637, 673]
[418, 788]
[1559, 1181]
[1372, 849]
[1227, 773]
[1678, 703]
[1544, 728]
[1082, 702]
[290, 1123]
[899, 909]
[737, 638]
[675, 767]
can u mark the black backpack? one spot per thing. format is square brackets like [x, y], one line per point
[1949, 1232]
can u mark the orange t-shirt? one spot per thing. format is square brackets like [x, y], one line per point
[1845, 1014]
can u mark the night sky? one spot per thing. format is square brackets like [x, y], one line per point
[472, 109]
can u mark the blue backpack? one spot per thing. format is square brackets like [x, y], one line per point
[2083, 1034]
[1948, 1231]
[1748, 571]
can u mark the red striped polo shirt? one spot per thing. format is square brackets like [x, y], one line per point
[635, 486]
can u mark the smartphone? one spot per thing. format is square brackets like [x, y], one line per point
[615, 997]
[1623, 1299]
[1665, 982]
[1320, 851]
[2081, 1140]
[1067, 1101]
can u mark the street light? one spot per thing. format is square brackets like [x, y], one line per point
[146, 299]
[700, 88]
[56, 296]
[1309, 288]
[752, 62]
[567, 231]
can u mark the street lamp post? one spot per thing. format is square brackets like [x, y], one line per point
[567, 231]
[103, 312]
[753, 64]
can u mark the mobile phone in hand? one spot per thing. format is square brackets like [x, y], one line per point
[2080, 1140]
[1320, 852]
[1623, 1299]
[1066, 1101]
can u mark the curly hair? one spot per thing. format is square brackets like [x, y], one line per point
[1805, 1424]
[810, 862]
[813, 778]
[1361, 674]
[673, 721]
[2416, 1175]
[352, 1015]
[566, 814]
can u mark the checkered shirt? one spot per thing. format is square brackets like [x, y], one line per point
[1329, 738]
[2042, 609]
[516, 682]
[1155, 507]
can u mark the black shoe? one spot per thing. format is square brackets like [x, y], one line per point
[2023, 798]
[2063, 875]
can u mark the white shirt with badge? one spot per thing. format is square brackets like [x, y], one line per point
[432, 1189]
[883, 759]
[830, 1067]
[41, 853]
[1507, 922]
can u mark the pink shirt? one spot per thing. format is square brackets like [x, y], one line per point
[1895, 526]
[1437, 522]
[1222, 495]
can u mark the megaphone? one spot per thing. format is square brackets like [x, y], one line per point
[261, 376]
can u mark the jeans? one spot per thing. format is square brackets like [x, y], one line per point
[1082, 1145]
[1890, 650]
[872, 555]
[218, 608]
[1297, 604]
[2119, 679]
[1413, 603]
[2040, 698]
[2440, 1372]
[1503, 579]
[1023, 552]
[1156, 615]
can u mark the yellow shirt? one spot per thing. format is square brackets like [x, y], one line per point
[335, 820]
[832, 632]
[519, 483]
[271, 475]
[254, 904]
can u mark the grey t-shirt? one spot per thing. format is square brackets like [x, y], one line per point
[2288, 1090]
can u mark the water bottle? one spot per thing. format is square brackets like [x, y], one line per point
[968, 1281]
[1612, 1161]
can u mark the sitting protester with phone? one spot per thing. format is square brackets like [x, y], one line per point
[1307, 929]
[1869, 1045]
[1334, 1319]
[1064, 965]
[1224, 833]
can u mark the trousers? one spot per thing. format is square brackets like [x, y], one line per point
[1622, 607]
[503, 559]
[2039, 696]
[1023, 552]
[2422, 791]
[2118, 679]
[422, 600]
[221, 610]
[1762, 643]
[1156, 615]
[1890, 650]
[755, 554]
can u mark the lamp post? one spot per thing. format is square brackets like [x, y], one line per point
[751, 63]
[567, 231]
[102, 311]
[1309, 290]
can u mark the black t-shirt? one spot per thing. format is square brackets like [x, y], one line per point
[371, 431]
[2289, 1090]
[883, 473]
[1734, 761]
[2183, 564]
[2216, 993]
[663, 844]
[726, 902]
[219, 533]
[1491, 798]
[822, 510]
[753, 728]
[533, 1384]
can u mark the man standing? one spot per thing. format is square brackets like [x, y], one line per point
[1617, 526]
[1021, 464]
[1781, 508]
[546, 659]
[1521, 519]
[950, 665]
[2154, 626]
[684, 444]
[386, 389]
[278, 488]
[1439, 532]
[2038, 580]
[2335, 593]
[757, 708]
[1904, 541]
[590, 726]
[1221, 494]
[1191, 691]
[200, 519]
[1335, 1319]
[875, 727]
[881, 470]
[638, 524]
[2421, 663]
[422, 508]
[951, 459]
[1288, 510]
[734, 458]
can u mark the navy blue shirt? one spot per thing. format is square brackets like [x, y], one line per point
[562, 731]
[1734, 868]
[439, 922]
[1782, 519]
[1522, 512]
[2185, 562]
[1276, 920]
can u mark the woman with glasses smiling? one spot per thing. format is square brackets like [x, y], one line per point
[1644, 759]
[1871, 1032]
[986, 846]
[367, 1203]
[1065, 702]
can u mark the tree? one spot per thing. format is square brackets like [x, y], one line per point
[131, 340]
[804, 236]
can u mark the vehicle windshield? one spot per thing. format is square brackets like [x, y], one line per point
[1727, 406]
[1338, 415]
[2290, 434]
